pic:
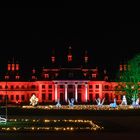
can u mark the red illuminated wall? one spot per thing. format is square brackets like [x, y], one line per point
[21, 92]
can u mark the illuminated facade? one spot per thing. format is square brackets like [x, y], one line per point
[57, 82]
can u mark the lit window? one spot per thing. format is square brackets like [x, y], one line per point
[46, 75]
[17, 66]
[56, 74]
[86, 59]
[85, 74]
[13, 67]
[6, 77]
[33, 71]
[33, 77]
[93, 75]
[17, 77]
[69, 58]
[9, 66]
[53, 59]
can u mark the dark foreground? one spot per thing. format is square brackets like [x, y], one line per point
[115, 128]
[72, 136]
[118, 125]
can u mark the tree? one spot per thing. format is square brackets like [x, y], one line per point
[129, 79]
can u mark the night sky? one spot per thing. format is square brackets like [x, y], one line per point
[29, 35]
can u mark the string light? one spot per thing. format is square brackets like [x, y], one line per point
[81, 125]
[84, 107]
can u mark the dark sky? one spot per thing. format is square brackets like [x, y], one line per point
[29, 34]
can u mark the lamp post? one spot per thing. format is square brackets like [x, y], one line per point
[6, 103]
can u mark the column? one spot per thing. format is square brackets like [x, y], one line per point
[100, 91]
[55, 93]
[76, 92]
[66, 93]
[86, 92]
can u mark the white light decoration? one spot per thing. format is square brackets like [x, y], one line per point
[59, 125]
[33, 100]
[87, 107]
[135, 103]
[99, 102]
[71, 102]
[58, 104]
[3, 120]
[113, 105]
[124, 101]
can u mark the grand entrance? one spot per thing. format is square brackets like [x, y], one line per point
[61, 97]
[71, 92]
[69, 89]
[71, 95]
[79, 97]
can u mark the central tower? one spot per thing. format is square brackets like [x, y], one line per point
[69, 56]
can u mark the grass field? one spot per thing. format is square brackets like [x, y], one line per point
[118, 124]
[19, 111]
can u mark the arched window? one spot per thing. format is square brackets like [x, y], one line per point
[12, 87]
[17, 87]
[106, 86]
[6, 87]
[96, 95]
[90, 97]
[22, 87]
[33, 86]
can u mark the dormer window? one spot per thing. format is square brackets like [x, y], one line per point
[33, 77]
[7, 77]
[17, 76]
[69, 58]
[46, 75]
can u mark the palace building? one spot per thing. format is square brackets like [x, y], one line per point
[56, 81]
